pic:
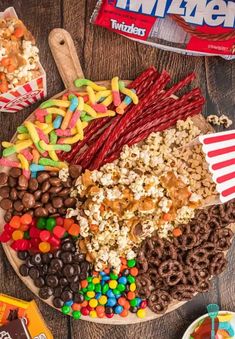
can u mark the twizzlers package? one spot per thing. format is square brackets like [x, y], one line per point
[195, 27]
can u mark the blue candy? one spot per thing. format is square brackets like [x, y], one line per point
[102, 283]
[139, 300]
[122, 280]
[69, 303]
[111, 302]
[110, 294]
[73, 103]
[98, 295]
[102, 273]
[118, 309]
[57, 122]
[117, 296]
[106, 277]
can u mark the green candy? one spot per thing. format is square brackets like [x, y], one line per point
[48, 118]
[87, 298]
[113, 276]
[121, 287]
[50, 224]
[86, 118]
[91, 287]
[76, 315]
[130, 279]
[53, 138]
[26, 235]
[134, 302]
[89, 279]
[116, 291]
[131, 263]
[105, 288]
[41, 223]
[65, 309]
[97, 288]
[84, 289]
[22, 129]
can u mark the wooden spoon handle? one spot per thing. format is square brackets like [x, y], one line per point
[65, 55]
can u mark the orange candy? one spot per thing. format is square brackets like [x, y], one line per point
[17, 235]
[15, 222]
[95, 274]
[124, 313]
[130, 295]
[177, 232]
[84, 283]
[134, 271]
[100, 309]
[107, 270]
[123, 261]
[24, 227]
[76, 307]
[84, 303]
[101, 315]
[67, 223]
[122, 301]
[44, 247]
[74, 230]
[123, 267]
[26, 219]
[127, 305]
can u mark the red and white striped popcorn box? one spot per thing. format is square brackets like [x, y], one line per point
[27, 94]
[219, 149]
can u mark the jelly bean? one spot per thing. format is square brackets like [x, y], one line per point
[134, 271]
[85, 82]
[85, 311]
[131, 263]
[55, 242]
[118, 309]
[69, 302]
[76, 307]
[44, 247]
[74, 230]
[5, 237]
[111, 302]
[113, 284]
[143, 304]
[130, 279]
[103, 300]
[15, 222]
[50, 224]
[9, 163]
[110, 294]
[141, 313]
[65, 309]
[115, 91]
[34, 232]
[132, 287]
[41, 223]
[122, 280]
[17, 148]
[45, 235]
[76, 315]
[16, 235]
[93, 303]
[55, 102]
[59, 231]
[26, 219]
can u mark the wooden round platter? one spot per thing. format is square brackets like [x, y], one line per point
[68, 64]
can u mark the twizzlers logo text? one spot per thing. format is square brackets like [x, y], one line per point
[199, 12]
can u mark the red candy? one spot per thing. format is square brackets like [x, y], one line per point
[5, 237]
[20, 245]
[45, 235]
[109, 315]
[34, 243]
[144, 304]
[34, 232]
[8, 229]
[59, 231]
[59, 221]
[85, 311]
[54, 241]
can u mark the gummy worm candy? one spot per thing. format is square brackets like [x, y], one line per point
[79, 128]
[48, 118]
[22, 129]
[27, 154]
[57, 122]
[88, 109]
[41, 125]
[107, 101]
[36, 155]
[77, 113]
[69, 113]
[49, 162]
[71, 140]
[107, 114]
[57, 147]
[40, 114]
[127, 101]
[17, 148]
[7, 144]
[38, 168]
[128, 92]
[34, 135]
[102, 95]
[9, 163]
[65, 133]
[115, 91]
[23, 136]
[42, 136]
[101, 108]
[85, 82]
[53, 140]
[91, 94]
[87, 118]
[49, 129]
[25, 165]
[55, 102]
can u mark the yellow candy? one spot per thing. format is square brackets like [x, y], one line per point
[103, 300]
[96, 281]
[141, 313]
[79, 128]
[55, 110]
[17, 235]
[132, 287]
[102, 94]
[93, 303]
[72, 140]
[114, 84]
[91, 94]
[88, 109]
[107, 114]
[108, 101]
[48, 129]
[7, 144]
[23, 136]
[41, 125]
[44, 247]
[130, 94]
[93, 314]
[55, 102]
[90, 294]
[80, 104]
[113, 284]
[36, 156]
[84, 124]
[53, 155]
[32, 131]
[24, 162]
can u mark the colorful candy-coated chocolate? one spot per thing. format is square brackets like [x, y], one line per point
[69, 303]
[66, 309]
[76, 315]
[85, 311]
[141, 313]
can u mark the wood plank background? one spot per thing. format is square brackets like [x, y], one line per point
[104, 54]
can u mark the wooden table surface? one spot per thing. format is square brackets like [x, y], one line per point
[104, 54]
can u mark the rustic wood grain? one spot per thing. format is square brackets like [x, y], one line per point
[102, 55]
